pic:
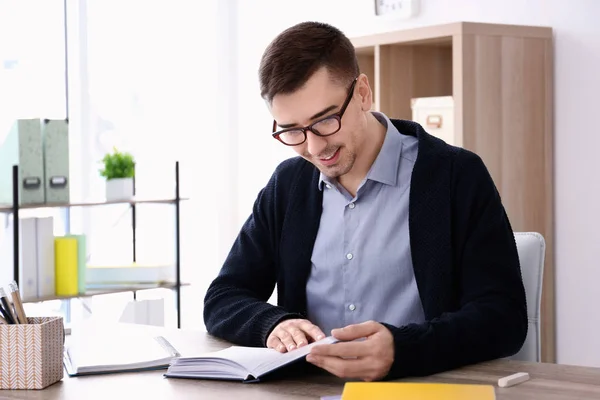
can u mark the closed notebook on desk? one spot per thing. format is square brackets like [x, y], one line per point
[416, 391]
[247, 364]
[88, 353]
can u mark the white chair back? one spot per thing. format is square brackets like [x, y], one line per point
[531, 247]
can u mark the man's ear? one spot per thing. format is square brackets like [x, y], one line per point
[365, 93]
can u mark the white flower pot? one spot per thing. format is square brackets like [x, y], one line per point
[119, 189]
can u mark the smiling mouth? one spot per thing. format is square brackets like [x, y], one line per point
[331, 159]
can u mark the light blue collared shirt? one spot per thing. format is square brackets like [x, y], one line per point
[361, 262]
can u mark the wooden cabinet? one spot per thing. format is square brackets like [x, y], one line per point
[500, 78]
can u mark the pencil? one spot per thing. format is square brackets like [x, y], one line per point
[16, 298]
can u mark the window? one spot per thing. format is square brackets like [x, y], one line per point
[32, 78]
[142, 78]
[151, 92]
[32, 61]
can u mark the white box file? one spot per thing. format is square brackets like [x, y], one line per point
[436, 115]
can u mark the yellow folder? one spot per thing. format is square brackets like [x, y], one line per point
[416, 391]
[65, 264]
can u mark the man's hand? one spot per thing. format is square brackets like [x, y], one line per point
[369, 360]
[293, 333]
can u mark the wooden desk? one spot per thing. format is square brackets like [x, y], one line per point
[548, 381]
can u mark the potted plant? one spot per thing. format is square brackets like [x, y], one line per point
[119, 169]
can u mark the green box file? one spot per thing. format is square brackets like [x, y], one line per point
[22, 146]
[56, 161]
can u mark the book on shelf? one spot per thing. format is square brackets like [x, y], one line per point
[66, 266]
[111, 274]
[98, 352]
[100, 287]
[81, 260]
[36, 256]
[238, 363]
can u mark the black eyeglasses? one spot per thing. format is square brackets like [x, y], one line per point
[323, 127]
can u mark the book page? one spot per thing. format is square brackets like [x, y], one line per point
[278, 359]
[246, 357]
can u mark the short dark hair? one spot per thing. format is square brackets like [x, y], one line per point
[299, 51]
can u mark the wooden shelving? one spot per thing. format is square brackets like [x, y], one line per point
[501, 80]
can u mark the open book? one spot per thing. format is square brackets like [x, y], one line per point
[96, 354]
[248, 364]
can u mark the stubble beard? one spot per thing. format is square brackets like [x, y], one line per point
[342, 167]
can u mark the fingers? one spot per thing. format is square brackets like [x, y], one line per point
[357, 331]
[345, 350]
[274, 343]
[292, 338]
[368, 369]
[292, 334]
[346, 369]
[281, 340]
[368, 360]
[313, 331]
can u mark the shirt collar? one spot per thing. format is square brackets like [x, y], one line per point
[385, 168]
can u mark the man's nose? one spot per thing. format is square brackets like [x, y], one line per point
[315, 144]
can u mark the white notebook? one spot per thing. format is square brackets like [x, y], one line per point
[96, 354]
[247, 364]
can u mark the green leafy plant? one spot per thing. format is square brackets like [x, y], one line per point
[118, 165]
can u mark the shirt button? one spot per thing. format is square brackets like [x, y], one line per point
[349, 256]
[351, 205]
[328, 186]
[352, 307]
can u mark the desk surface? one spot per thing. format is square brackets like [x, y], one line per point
[548, 381]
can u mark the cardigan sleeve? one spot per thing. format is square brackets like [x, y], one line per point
[235, 304]
[491, 320]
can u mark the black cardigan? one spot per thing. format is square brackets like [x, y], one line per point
[464, 256]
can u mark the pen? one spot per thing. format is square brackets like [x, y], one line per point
[5, 316]
[7, 309]
[16, 298]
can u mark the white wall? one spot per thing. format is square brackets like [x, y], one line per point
[577, 84]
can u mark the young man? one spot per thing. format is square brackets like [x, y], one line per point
[378, 231]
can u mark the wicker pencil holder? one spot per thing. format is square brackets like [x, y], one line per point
[31, 355]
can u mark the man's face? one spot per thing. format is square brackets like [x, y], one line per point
[319, 98]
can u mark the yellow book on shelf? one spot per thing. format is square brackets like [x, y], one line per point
[416, 391]
[65, 266]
